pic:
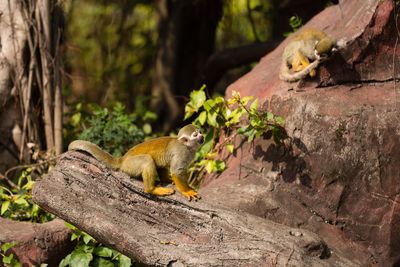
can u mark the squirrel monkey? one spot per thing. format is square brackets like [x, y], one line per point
[310, 44]
[158, 154]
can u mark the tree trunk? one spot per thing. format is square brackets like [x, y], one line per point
[167, 231]
[185, 41]
[30, 89]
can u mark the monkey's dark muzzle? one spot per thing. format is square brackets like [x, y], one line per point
[200, 139]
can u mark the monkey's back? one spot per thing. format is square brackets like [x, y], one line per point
[303, 42]
[157, 148]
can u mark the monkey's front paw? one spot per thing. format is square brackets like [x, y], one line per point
[162, 191]
[191, 194]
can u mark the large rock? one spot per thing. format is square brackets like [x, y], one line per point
[340, 179]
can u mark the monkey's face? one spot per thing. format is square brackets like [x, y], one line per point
[194, 140]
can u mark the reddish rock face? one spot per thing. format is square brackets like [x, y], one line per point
[340, 177]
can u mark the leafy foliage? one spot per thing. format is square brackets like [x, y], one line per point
[8, 258]
[295, 23]
[238, 114]
[111, 46]
[89, 252]
[114, 130]
[17, 204]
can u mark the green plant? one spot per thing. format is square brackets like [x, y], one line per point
[89, 252]
[295, 23]
[16, 203]
[9, 260]
[114, 130]
[239, 115]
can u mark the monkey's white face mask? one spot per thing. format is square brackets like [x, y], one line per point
[192, 141]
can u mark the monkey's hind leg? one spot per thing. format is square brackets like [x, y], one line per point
[145, 166]
[301, 62]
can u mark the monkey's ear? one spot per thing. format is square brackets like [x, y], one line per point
[183, 139]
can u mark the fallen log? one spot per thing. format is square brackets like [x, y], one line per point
[37, 243]
[171, 231]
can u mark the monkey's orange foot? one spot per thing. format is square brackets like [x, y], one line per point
[162, 191]
[191, 194]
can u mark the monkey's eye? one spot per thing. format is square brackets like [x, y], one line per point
[195, 134]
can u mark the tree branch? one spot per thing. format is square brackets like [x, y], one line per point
[159, 231]
[231, 58]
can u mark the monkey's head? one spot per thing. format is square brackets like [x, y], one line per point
[190, 136]
[325, 47]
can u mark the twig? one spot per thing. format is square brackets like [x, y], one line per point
[30, 165]
[8, 181]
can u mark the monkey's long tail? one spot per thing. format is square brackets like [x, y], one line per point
[285, 75]
[96, 152]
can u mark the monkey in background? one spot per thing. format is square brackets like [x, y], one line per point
[309, 45]
[163, 154]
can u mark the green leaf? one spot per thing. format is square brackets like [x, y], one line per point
[209, 165]
[230, 148]
[209, 105]
[124, 261]
[8, 259]
[236, 115]
[21, 201]
[212, 119]
[147, 128]
[189, 110]
[65, 262]
[16, 263]
[254, 105]
[101, 262]
[4, 207]
[279, 120]
[7, 246]
[76, 119]
[80, 259]
[202, 117]
[246, 100]
[103, 252]
[87, 238]
[219, 165]
[269, 116]
[197, 98]
[28, 185]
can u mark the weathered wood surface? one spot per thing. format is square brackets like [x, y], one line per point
[170, 231]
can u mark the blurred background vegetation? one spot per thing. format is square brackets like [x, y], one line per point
[151, 54]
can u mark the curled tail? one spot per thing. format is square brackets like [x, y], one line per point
[285, 75]
[96, 152]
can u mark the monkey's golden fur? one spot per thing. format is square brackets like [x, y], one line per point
[153, 158]
[308, 45]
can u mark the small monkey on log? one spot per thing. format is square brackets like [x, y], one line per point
[309, 45]
[156, 157]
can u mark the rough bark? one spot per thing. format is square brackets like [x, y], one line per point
[13, 36]
[37, 243]
[30, 91]
[340, 180]
[170, 231]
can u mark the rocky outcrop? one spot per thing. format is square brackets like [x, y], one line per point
[340, 178]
